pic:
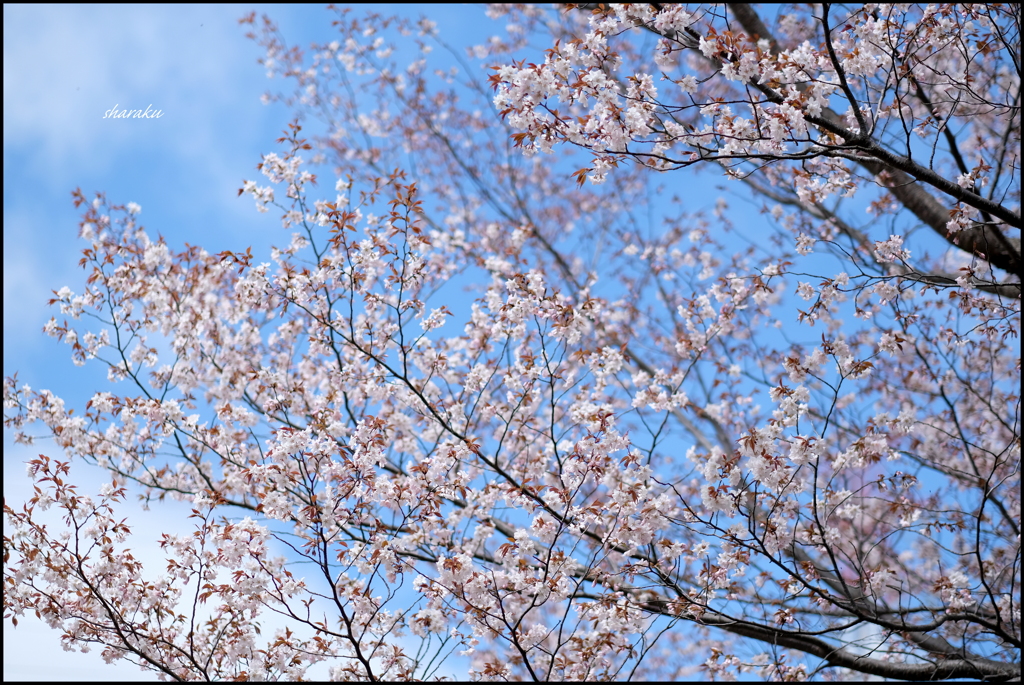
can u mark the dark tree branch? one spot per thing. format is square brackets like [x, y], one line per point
[901, 173]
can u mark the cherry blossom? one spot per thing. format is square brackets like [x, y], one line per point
[479, 408]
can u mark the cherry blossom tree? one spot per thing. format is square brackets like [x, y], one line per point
[513, 396]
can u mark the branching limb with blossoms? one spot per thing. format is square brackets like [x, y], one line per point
[649, 443]
[798, 82]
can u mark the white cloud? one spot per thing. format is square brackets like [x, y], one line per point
[64, 66]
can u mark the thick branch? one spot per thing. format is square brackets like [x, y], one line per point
[901, 174]
[942, 669]
[936, 278]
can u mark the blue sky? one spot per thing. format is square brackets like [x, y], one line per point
[64, 67]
